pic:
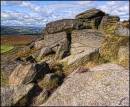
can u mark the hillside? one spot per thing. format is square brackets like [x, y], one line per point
[20, 30]
[77, 62]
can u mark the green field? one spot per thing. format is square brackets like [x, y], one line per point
[6, 48]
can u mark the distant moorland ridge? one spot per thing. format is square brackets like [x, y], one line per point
[20, 30]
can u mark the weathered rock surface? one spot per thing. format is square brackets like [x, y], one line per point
[15, 94]
[78, 43]
[41, 98]
[80, 58]
[25, 73]
[123, 56]
[39, 44]
[7, 64]
[91, 17]
[110, 46]
[62, 25]
[83, 44]
[108, 23]
[71, 24]
[59, 43]
[30, 59]
[121, 30]
[104, 85]
[85, 38]
[19, 74]
[45, 51]
[63, 49]
[126, 23]
[53, 39]
[89, 14]
[51, 81]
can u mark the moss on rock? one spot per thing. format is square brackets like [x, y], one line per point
[110, 47]
[3, 79]
[50, 82]
[123, 56]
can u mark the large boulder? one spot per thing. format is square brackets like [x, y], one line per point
[62, 25]
[90, 23]
[110, 47]
[51, 81]
[108, 24]
[38, 44]
[117, 35]
[122, 30]
[80, 58]
[16, 95]
[24, 52]
[103, 85]
[126, 23]
[25, 73]
[89, 14]
[41, 98]
[63, 49]
[59, 43]
[53, 39]
[83, 44]
[44, 52]
[91, 17]
[123, 56]
[86, 38]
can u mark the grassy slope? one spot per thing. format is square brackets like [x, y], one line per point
[6, 48]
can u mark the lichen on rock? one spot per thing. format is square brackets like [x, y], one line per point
[77, 55]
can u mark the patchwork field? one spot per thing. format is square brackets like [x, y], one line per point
[17, 40]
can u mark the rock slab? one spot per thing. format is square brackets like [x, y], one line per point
[26, 73]
[103, 85]
[14, 94]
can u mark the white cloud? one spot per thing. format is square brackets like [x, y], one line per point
[84, 3]
[21, 18]
[119, 8]
[42, 14]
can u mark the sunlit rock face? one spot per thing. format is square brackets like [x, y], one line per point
[61, 25]
[92, 16]
[103, 85]
[108, 24]
[89, 14]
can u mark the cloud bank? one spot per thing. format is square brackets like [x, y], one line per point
[38, 13]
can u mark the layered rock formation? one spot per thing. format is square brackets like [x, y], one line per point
[92, 38]
[83, 44]
[59, 43]
[108, 23]
[104, 85]
[92, 16]
[60, 25]
[122, 30]
[26, 73]
[16, 95]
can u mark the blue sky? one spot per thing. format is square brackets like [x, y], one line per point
[38, 13]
